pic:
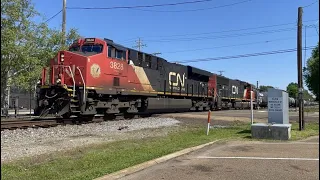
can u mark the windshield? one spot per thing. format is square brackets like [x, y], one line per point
[97, 48]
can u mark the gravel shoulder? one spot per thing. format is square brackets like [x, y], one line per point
[20, 143]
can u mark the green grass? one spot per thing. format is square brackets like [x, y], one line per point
[311, 109]
[98, 160]
[311, 129]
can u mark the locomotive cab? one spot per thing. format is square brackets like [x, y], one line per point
[67, 78]
[78, 74]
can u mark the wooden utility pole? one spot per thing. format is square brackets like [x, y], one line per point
[257, 95]
[64, 22]
[299, 59]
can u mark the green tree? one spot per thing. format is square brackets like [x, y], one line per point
[264, 88]
[306, 95]
[26, 46]
[293, 89]
[311, 72]
[16, 33]
[46, 47]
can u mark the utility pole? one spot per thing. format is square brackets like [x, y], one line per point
[251, 104]
[220, 72]
[64, 22]
[139, 44]
[156, 53]
[299, 59]
[258, 95]
[305, 47]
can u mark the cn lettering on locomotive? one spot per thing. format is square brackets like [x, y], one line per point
[177, 81]
[235, 90]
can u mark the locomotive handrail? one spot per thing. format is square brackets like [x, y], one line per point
[74, 82]
[72, 76]
[84, 84]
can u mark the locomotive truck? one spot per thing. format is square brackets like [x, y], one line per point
[100, 77]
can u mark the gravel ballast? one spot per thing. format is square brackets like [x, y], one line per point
[21, 143]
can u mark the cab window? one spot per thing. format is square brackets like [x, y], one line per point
[116, 53]
[92, 48]
[120, 54]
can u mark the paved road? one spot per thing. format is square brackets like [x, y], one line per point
[225, 117]
[241, 161]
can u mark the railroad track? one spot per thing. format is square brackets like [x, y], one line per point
[24, 123]
[47, 122]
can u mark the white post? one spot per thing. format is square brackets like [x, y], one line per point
[208, 127]
[251, 104]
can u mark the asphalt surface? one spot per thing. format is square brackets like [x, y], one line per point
[239, 160]
[226, 117]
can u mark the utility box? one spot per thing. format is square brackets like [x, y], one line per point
[278, 106]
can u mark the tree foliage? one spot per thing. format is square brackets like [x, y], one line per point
[307, 96]
[311, 72]
[26, 46]
[292, 89]
[265, 88]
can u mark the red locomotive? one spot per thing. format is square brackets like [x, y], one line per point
[98, 76]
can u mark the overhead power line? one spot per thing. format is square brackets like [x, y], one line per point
[222, 36]
[192, 10]
[310, 4]
[224, 31]
[233, 45]
[244, 55]
[53, 16]
[142, 6]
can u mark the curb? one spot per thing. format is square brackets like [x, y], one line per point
[139, 167]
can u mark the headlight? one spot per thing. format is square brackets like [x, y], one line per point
[58, 81]
[61, 57]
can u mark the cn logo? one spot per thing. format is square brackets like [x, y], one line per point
[235, 90]
[178, 78]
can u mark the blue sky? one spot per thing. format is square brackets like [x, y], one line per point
[203, 29]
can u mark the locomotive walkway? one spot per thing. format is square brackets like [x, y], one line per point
[240, 160]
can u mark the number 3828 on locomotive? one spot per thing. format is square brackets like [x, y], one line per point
[97, 76]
